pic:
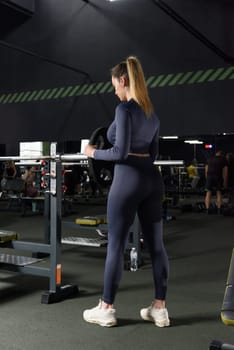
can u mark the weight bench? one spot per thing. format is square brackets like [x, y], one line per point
[11, 260]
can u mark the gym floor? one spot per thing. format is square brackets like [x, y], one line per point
[199, 248]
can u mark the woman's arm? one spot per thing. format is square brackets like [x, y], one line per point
[121, 147]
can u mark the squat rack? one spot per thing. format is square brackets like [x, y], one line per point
[56, 291]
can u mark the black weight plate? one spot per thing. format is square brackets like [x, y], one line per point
[101, 171]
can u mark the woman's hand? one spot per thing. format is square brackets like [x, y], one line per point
[89, 151]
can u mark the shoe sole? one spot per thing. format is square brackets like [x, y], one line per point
[109, 324]
[161, 324]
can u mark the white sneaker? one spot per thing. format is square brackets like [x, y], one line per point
[158, 316]
[102, 317]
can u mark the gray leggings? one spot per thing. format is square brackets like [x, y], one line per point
[137, 187]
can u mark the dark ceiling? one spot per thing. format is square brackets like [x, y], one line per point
[72, 45]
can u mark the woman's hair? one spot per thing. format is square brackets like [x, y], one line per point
[132, 71]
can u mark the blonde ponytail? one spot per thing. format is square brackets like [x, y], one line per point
[137, 84]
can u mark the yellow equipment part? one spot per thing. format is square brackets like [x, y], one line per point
[91, 220]
[7, 236]
[227, 312]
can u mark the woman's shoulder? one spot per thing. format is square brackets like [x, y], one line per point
[132, 107]
[127, 106]
[122, 105]
[123, 108]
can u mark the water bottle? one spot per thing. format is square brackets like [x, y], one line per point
[133, 259]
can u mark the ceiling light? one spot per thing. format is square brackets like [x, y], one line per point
[169, 162]
[170, 137]
[194, 142]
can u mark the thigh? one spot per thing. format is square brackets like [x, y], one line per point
[150, 208]
[150, 216]
[122, 203]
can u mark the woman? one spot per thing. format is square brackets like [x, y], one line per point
[10, 171]
[136, 188]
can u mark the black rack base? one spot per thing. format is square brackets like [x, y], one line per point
[62, 293]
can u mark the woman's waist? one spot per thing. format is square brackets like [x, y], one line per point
[140, 155]
[140, 161]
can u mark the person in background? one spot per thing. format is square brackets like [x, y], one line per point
[137, 187]
[216, 173]
[29, 176]
[10, 170]
[193, 173]
[8, 177]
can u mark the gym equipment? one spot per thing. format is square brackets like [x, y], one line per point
[7, 236]
[100, 171]
[16, 185]
[96, 223]
[87, 242]
[200, 207]
[52, 247]
[91, 220]
[17, 260]
[227, 312]
[218, 345]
